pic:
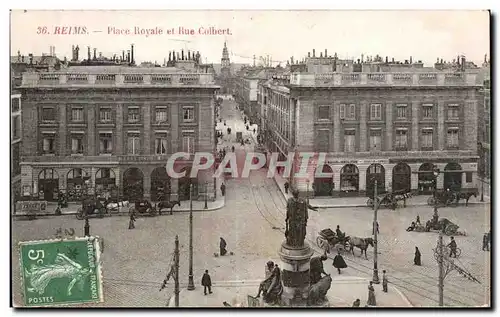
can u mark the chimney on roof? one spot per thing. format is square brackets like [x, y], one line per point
[169, 56]
[458, 59]
[393, 60]
[321, 54]
[72, 52]
[189, 55]
[314, 52]
[88, 53]
[178, 56]
[326, 52]
[308, 54]
[441, 61]
[387, 59]
[173, 56]
[77, 50]
[128, 56]
[22, 58]
[411, 60]
[95, 51]
[132, 60]
[100, 54]
[463, 62]
[182, 54]
[31, 58]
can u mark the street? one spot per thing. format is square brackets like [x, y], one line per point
[135, 262]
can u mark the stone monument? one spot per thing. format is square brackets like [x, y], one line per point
[295, 253]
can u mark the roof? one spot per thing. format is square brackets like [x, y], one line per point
[121, 69]
[44, 59]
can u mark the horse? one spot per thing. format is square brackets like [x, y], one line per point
[167, 204]
[361, 243]
[465, 196]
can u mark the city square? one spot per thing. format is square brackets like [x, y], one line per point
[399, 169]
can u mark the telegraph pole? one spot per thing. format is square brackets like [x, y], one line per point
[176, 259]
[441, 269]
[376, 280]
[190, 278]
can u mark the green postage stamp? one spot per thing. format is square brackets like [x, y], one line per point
[61, 272]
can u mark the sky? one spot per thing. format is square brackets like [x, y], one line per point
[424, 35]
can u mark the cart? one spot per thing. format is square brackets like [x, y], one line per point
[389, 200]
[91, 207]
[143, 207]
[327, 239]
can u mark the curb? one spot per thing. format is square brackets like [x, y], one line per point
[121, 214]
[364, 205]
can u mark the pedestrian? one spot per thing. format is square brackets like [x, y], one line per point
[248, 128]
[131, 221]
[338, 262]
[384, 281]
[417, 259]
[225, 123]
[232, 148]
[356, 303]
[339, 233]
[485, 242]
[254, 130]
[222, 247]
[206, 282]
[453, 247]
[223, 189]
[418, 220]
[287, 186]
[371, 295]
[86, 228]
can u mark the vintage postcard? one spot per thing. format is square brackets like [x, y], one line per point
[250, 158]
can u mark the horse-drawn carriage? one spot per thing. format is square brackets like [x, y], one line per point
[92, 206]
[143, 207]
[449, 196]
[389, 200]
[327, 239]
[444, 225]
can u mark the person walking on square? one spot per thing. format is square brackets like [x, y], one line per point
[338, 262]
[371, 295]
[384, 281]
[287, 186]
[223, 189]
[453, 247]
[206, 282]
[418, 220]
[417, 259]
[222, 247]
[131, 221]
[486, 247]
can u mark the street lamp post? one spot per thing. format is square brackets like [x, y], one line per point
[376, 279]
[206, 195]
[307, 191]
[436, 175]
[190, 278]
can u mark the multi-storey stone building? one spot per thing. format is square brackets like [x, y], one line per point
[385, 127]
[16, 129]
[111, 129]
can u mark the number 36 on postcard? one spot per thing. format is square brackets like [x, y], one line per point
[58, 272]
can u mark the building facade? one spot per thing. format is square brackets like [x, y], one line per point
[16, 137]
[385, 127]
[110, 130]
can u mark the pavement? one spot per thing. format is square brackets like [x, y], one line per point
[343, 292]
[327, 202]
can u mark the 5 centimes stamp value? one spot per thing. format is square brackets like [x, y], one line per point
[58, 272]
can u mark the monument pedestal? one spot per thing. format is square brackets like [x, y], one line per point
[295, 265]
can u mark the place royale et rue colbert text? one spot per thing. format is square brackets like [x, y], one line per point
[202, 30]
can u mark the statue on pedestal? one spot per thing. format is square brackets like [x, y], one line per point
[296, 220]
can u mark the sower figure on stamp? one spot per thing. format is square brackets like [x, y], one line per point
[296, 220]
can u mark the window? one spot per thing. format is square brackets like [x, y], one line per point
[133, 115]
[105, 114]
[105, 143]
[342, 111]
[452, 137]
[15, 104]
[188, 144]
[468, 177]
[77, 114]
[401, 139]
[375, 140]
[133, 144]
[376, 111]
[348, 111]
[324, 112]
[161, 115]
[401, 111]
[48, 114]
[49, 145]
[16, 127]
[350, 141]
[323, 140]
[188, 114]
[427, 136]
[427, 111]
[453, 112]
[76, 144]
[161, 145]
